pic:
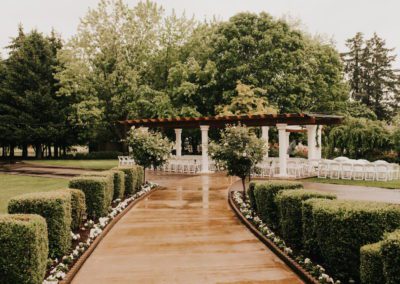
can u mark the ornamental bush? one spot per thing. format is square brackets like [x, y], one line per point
[78, 207]
[55, 207]
[109, 175]
[264, 195]
[97, 193]
[252, 198]
[343, 227]
[289, 203]
[140, 177]
[371, 266]
[119, 184]
[391, 257]
[309, 243]
[24, 248]
[131, 178]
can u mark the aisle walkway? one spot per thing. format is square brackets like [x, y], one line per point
[185, 233]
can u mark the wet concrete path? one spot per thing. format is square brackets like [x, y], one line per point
[185, 233]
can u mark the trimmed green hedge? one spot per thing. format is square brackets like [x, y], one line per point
[391, 257]
[130, 178]
[309, 244]
[119, 184]
[252, 198]
[23, 248]
[140, 177]
[55, 207]
[78, 207]
[343, 227]
[97, 194]
[289, 203]
[109, 175]
[371, 266]
[264, 195]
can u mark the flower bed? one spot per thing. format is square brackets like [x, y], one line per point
[88, 237]
[311, 272]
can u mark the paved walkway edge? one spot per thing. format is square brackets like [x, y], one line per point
[292, 264]
[74, 270]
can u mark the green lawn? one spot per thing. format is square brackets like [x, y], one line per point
[84, 164]
[12, 185]
[394, 184]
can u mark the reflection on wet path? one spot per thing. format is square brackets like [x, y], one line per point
[185, 233]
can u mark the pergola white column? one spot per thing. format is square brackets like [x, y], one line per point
[287, 142]
[311, 142]
[282, 149]
[204, 148]
[318, 149]
[178, 142]
[265, 136]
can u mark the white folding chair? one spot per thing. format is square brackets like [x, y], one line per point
[382, 172]
[358, 171]
[334, 170]
[323, 169]
[346, 171]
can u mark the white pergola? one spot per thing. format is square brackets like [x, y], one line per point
[285, 123]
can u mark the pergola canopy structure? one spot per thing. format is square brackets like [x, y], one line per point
[285, 123]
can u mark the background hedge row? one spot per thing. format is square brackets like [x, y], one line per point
[24, 248]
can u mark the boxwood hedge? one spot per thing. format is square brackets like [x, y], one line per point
[140, 177]
[264, 195]
[97, 194]
[343, 227]
[289, 203]
[119, 184]
[109, 175]
[24, 248]
[252, 198]
[78, 207]
[309, 243]
[131, 178]
[391, 257]
[55, 207]
[371, 266]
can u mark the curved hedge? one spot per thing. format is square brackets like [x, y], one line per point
[390, 251]
[97, 194]
[78, 207]
[371, 266]
[109, 175]
[264, 195]
[55, 207]
[343, 227]
[131, 178]
[289, 203]
[24, 248]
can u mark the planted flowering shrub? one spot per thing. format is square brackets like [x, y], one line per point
[149, 148]
[238, 151]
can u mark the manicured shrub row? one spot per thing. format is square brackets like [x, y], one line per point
[289, 203]
[119, 184]
[133, 178]
[78, 207]
[371, 266]
[109, 175]
[264, 196]
[343, 227]
[24, 248]
[97, 193]
[390, 251]
[140, 177]
[55, 207]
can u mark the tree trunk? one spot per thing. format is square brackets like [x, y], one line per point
[12, 151]
[64, 150]
[4, 151]
[24, 151]
[244, 188]
[55, 151]
[144, 174]
[49, 150]
[38, 151]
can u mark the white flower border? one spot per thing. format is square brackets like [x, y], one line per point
[60, 268]
[315, 270]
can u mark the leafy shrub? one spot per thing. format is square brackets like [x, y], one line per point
[140, 177]
[265, 193]
[391, 257]
[55, 207]
[130, 178]
[342, 227]
[24, 248]
[289, 204]
[119, 184]
[252, 198]
[371, 266]
[78, 207]
[97, 193]
[109, 175]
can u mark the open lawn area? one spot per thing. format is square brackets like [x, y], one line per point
[83, 164]
[393, 184]
[12, 185]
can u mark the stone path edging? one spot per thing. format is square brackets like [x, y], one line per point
[303, 274]
[74, 270]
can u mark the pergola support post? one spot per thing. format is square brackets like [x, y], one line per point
[311, 142]
[178, 142]
[282, 149]
[204, 148]
[265, 136]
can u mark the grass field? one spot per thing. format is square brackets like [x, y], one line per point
[12, 185]
[83, 164]
[393, 184]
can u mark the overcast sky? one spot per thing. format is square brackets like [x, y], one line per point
[339, 19]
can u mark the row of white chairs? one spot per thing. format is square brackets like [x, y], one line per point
[125, 161]
[344, 168]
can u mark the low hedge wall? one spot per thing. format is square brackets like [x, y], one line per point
[109, 175]
[343, 227]
[264, 195]
[119, 184]
[131, 178]
[24, 248]
[78, 207]
[390, 251]
[309, 243]
[371, 266]
[97, 194]
[289, 203]
[252, 198]
[55, 207]
[140, 177]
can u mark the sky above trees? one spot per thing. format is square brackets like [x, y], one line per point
[339, 19]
